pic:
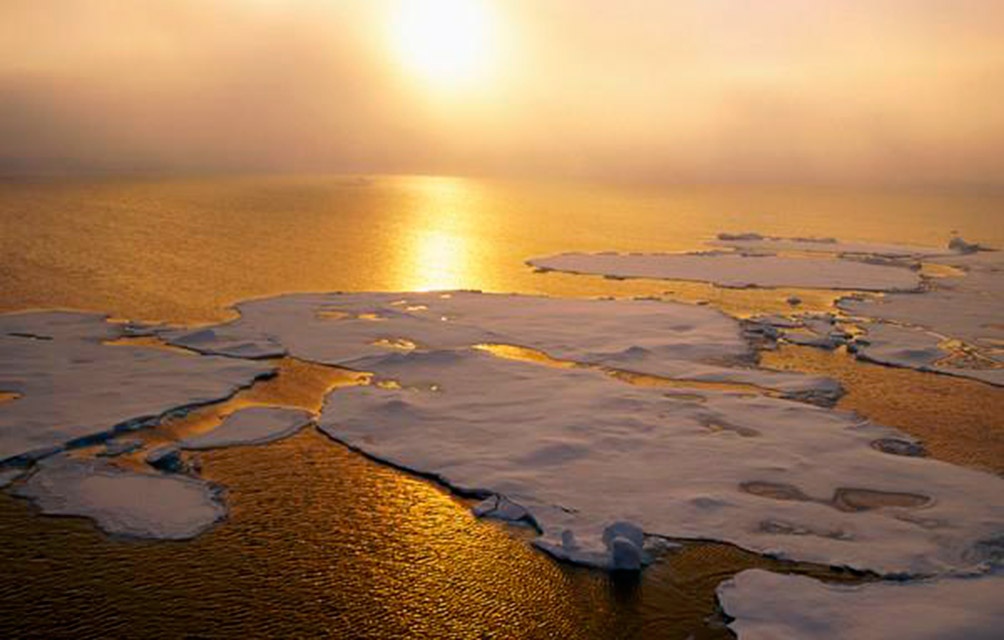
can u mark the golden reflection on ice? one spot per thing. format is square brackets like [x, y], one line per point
[525, 354]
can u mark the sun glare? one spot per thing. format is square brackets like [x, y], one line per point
[444, 42]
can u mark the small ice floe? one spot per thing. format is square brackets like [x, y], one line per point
[665, 339]
[123, 502]
[582, 450]
[738, 270]
[771, 606]
[255, 425]
[76, 391]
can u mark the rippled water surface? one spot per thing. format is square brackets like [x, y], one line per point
[322, 541]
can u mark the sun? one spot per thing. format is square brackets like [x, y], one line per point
[444, 42]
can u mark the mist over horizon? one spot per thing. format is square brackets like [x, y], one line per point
[889, 92]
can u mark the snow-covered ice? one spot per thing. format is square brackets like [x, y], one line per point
[74, 388]
[917, 328]
[757, 242]
[729, 269]
[645, 336]
[123, 502]
[255, 425]
[771, 606]
[580, 451]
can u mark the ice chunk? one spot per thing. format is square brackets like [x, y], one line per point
[124, 502]
[739, 270]
[74, 390]
[581, 450]
[502, 508]
[623, 548]
[770, 606]
[167, 458]
[255, 425]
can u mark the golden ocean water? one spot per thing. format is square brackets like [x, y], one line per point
[322, 541]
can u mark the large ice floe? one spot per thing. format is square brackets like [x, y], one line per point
[123, 502]
[734, 269]
[644, 336]
[760, 243]
[770, 606]
[73, 389]
[579, 451]
[956, 326]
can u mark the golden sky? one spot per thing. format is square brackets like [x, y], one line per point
[703, 90]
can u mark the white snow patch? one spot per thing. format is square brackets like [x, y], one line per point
[255, 425]
[579, 451]
[738, 270]
[72, 387]
[123, 502]
[770, 606]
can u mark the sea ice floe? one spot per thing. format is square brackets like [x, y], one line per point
[956, 326]
[73, 388]
[142, 505]
[255, 425]
[736, 270]
[645, 336]
[757, 242]
[770, 606]
[579, 451]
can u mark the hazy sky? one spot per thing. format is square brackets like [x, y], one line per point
[705, 90]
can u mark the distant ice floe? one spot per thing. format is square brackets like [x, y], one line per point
[757, 242]
[644, 336]
[576, 451]
[74, 389]
[770, 606]
[738, 270]
[121, 502]
[255, 425]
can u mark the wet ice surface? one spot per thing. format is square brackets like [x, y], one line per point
[729, 269]
[121, 502]
[770, 606]
[74, 388]
[256, 425]
[580, 451]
